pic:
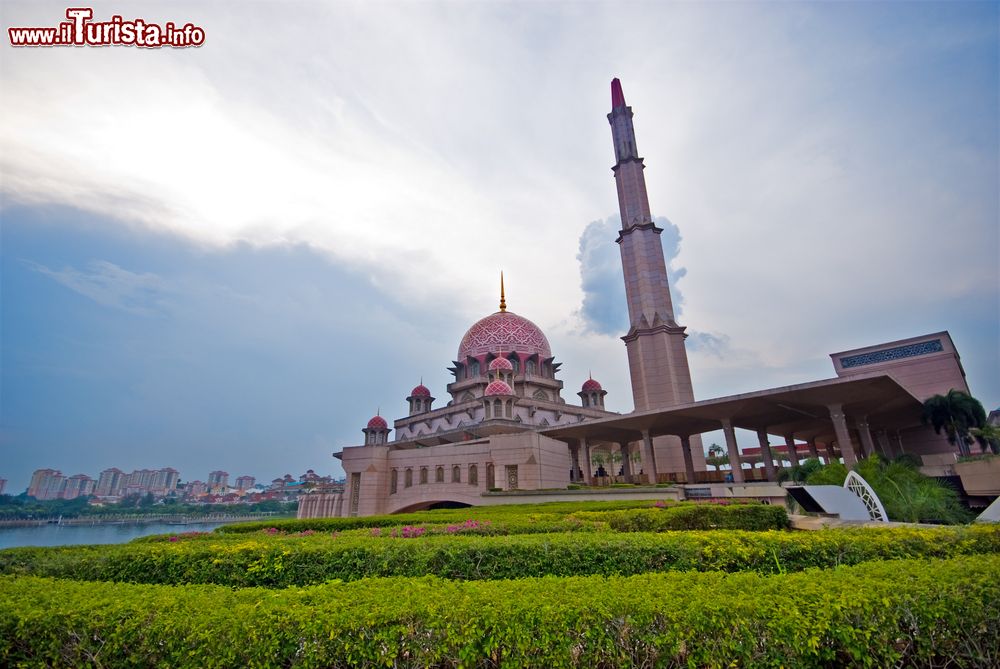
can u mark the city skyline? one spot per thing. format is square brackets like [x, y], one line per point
[322, 222]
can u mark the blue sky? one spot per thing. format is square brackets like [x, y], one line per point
[232, 256]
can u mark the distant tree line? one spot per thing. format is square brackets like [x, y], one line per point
[23, 507]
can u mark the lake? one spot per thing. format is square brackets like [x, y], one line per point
[64, 535]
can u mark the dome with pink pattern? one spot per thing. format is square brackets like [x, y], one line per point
[377, 423]
[420, 391]
[591, 385]
[498, 388]
[498, 364]
[504, 331]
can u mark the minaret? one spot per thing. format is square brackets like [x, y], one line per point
[655, 342]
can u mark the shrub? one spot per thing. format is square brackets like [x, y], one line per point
[695, 517]
[903, 613]
[277, 561]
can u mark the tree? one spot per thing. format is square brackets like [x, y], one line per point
[956, 413]
[988, 436]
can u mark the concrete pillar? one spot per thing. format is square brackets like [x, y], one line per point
[626, 457]
[688, 459]
[766, 455]
[813, 452]
[793, 455]
[882, 439]
[734, 450]
[588, 476]
[574, 452]
[831, 456]
[839, 420]
[649, 455]
[864, 431]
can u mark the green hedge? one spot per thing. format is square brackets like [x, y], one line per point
[275, 561]
[754, 517]
[549, 511]
[903, 613]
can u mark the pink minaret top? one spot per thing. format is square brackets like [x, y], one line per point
[617, 97]
[642, 256]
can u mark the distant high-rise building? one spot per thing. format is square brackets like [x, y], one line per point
[218, 479]
[3, 484]
[78, 485]
[195, 489]
[110, 483]
[164, 481]
[39, 480]
[245, 482]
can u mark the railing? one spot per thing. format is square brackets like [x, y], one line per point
[138, 518]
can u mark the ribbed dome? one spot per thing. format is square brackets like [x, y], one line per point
[501, 363]
[377, 423]
[590, 385]
[420, 391]
[504, 331]
[498, 388]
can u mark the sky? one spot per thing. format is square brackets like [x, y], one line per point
[231, 256]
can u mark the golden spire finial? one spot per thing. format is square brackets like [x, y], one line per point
[503, 302]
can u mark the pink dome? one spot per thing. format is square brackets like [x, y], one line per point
[590, 385]
[498, 388]
[503, 330]
[420, 391]
[501, 363]
[377, 423]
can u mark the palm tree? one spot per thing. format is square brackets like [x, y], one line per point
[956, 413]
[988, 436]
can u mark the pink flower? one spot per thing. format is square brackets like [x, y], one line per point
[172, 539]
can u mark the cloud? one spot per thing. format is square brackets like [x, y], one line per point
[111, 286]
[604, 310]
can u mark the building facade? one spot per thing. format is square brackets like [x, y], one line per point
[507, 427]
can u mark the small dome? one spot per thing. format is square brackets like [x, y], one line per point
[377, 423]
[498, 388]
[590, 385]
[420, 391]
[501, 363]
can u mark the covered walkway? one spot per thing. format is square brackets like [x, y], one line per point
[849, 417]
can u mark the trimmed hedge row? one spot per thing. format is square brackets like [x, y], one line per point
[270, 561]
[753, 517]
[627, 516]
[550, 511]
[904, 613]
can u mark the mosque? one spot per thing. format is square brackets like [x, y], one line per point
[507, 431]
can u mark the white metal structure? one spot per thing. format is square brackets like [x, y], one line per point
[860, 487]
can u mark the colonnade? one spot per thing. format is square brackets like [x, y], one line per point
[850, 450]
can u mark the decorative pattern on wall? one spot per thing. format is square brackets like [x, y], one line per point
[890, 354]
[504, 331]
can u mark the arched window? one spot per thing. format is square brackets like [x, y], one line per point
[474, 368]
[541, 395]
[517, 365]
[394, 482]
[408, 478]
[491, 480]
[456, 474]
[529, 367]
[586, 400]
[510, 408]
[467, 397]
[498, 408]
[473, 475]
[487, 410]
[439, 475]
[423, 475]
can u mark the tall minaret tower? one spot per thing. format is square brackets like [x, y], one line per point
[657, 358]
